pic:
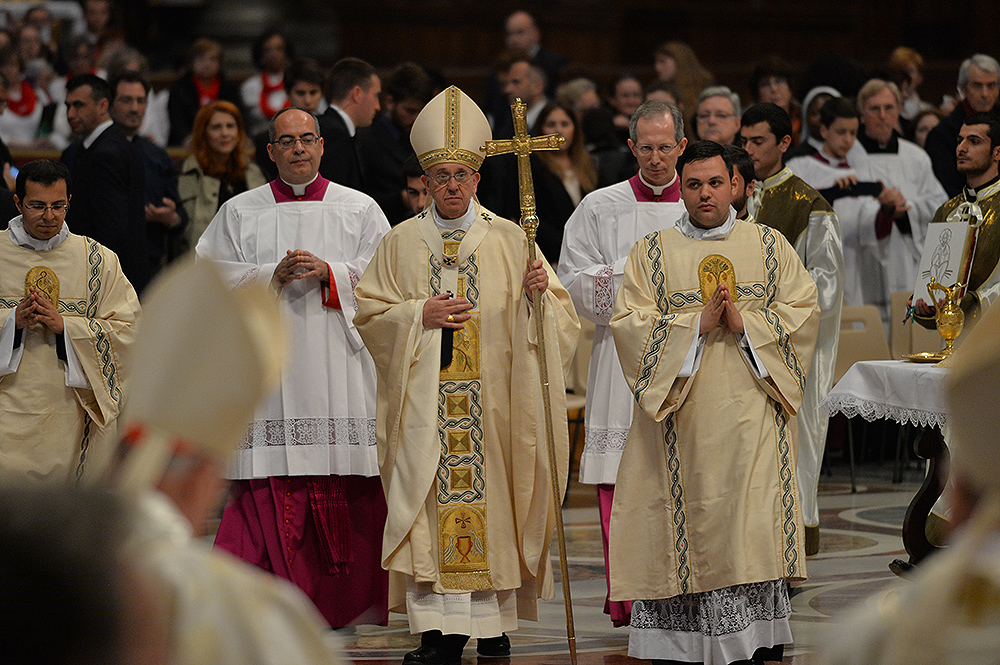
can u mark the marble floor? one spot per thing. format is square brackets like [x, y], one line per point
[860, 535]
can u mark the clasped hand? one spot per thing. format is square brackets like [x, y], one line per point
[299, 264]
[36, 308]
[720, 309]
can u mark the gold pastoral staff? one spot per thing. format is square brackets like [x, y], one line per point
[523, 145]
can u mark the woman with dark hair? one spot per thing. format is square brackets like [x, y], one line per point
[771, 81]
[201, 84]
[263, 93]
[219, 168]
[562, 178]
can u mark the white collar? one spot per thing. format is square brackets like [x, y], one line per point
[531, 115]
[89, 141]
[300, 190]
[21, 238]
[722, 232]
[463, 222]
[351, 129]
[658, 189]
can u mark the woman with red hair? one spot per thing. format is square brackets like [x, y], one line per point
[219, 168]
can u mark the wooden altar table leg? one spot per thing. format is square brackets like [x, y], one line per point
[929, 445]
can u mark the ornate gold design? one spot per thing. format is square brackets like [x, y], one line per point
[713, 270]
[949, 317]
[458, 405]
[463, 548]
[465, 360]
[452, 152]
[459, 442]
[45, 281]
[522, 145]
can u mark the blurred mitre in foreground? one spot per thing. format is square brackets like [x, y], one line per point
[204, 358]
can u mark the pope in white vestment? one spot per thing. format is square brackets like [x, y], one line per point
[60, 393]
[308, 505]
[460, 427]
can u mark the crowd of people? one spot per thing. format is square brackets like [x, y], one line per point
[394, 458]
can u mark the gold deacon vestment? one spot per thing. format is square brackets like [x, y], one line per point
[984, 280]
[462, 449]
[48, 429]
[706, 496]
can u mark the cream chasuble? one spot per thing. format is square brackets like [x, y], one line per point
[47, 428]
[706, 496]
[461, 449]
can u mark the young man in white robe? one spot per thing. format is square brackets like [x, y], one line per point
[597, 239]
[68, 317]
[445, 308]
[307, 504]
[856, 197]
[714, 325]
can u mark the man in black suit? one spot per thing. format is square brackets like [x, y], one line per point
[353, 90]
[107, 176]
[522, 34]
[164, 212]
[385, 145]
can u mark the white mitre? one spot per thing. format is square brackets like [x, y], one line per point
[973, 392]
[203, 359]
[450, 129]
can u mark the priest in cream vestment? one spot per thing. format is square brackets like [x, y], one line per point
[461, 434]
[714, 324]
[60, 365]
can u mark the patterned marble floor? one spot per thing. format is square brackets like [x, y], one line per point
[860, 535]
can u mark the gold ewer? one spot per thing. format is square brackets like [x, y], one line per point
[949, 317]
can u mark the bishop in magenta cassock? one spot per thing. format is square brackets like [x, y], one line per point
[307, 503]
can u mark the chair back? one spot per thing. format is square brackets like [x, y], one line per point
[862, 337]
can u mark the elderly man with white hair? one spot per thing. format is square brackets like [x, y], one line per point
[979, 85]
[718, 115]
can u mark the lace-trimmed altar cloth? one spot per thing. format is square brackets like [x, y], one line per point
[896, 390]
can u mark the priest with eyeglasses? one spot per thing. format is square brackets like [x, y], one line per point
[68, 315]
[307, 503]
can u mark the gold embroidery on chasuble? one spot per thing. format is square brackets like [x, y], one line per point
[461, 476]
[716, 269]
[45, 281]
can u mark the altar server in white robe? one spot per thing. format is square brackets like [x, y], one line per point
[596, 242]
[905, 170]
[853, 193]
[308, 504]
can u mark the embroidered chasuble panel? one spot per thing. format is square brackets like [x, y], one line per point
[461, 474]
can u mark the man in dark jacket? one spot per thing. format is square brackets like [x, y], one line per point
[108, 189]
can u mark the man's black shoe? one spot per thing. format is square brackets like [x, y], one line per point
[428, 655]
[494, 647]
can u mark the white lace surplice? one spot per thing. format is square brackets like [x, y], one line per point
[321, 420]
[596, 242]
